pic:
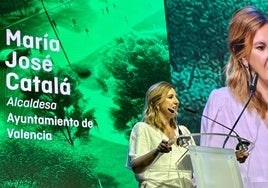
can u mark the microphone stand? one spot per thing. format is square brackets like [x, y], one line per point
[242, 145]
[232, 129]
[252, 90]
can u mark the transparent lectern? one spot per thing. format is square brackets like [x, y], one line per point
[214, 161]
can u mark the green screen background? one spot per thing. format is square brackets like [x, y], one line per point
[111, 52]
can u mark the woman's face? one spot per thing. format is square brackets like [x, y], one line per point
[258, 58]
[169, 106]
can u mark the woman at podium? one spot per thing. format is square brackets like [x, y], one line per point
[154, 157]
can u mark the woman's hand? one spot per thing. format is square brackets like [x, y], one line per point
[164, 147]
[241, 156]
[140, 164]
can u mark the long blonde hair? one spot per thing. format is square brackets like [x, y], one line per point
[155, 95]
[242, 29]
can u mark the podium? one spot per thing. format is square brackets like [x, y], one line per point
[214, 163]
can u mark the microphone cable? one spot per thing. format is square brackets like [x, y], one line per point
[252, 90]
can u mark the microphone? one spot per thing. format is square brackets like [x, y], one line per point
[252, 89]
[172, 111]
[182, 141]
[242, 145]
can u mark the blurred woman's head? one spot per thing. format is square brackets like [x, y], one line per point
[244, 62]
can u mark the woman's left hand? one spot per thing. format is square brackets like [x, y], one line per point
[164, 147]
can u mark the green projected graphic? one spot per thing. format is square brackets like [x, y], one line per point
[73, 80]
[74, 74]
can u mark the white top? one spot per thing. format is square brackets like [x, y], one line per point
[169, 170]
[222, 107]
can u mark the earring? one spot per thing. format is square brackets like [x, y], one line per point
[245, 64]
[247, 69]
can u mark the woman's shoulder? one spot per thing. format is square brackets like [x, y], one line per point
[222, 96]
[141, 126]
[220, 101]
[221, 92]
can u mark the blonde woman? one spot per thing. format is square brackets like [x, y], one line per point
[154, 160]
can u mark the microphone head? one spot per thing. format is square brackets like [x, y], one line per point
[183, 141]
[171, 110]
[253, 84]
[242, 146]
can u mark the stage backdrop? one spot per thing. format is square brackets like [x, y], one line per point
[73, 81]
[74, 75]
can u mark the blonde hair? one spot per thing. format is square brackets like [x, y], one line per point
[242, 29]
[155, 95]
